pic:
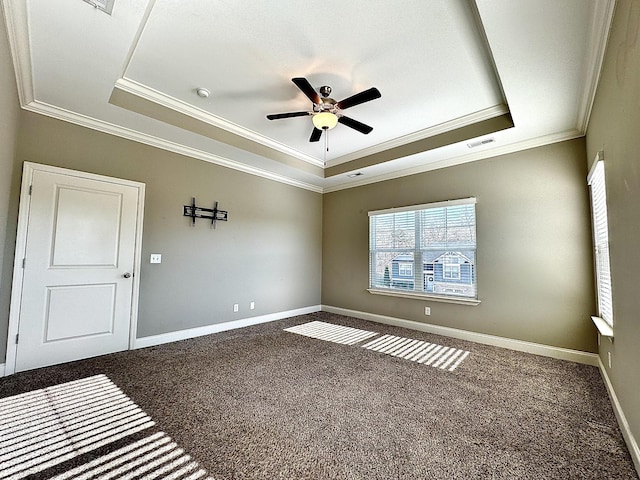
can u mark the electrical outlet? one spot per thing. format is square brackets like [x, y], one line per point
[236, 307]
[156, 258]
[427, 310]
[252, 305]
[609, 356]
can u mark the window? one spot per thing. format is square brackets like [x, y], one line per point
[596, 181]
[432, 247]
[451, 266]
[405, 269]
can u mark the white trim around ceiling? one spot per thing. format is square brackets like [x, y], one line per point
[17, 21]
[112, 129]
[602, 20]
[16, 18]
[143, 24]
[139, 89]
[148, 93]
[452, 161]
[464, 121]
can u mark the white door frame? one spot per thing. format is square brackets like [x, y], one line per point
[21, 245]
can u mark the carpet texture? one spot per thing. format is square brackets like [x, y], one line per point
[264, 403]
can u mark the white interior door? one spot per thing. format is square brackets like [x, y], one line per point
[78, 271]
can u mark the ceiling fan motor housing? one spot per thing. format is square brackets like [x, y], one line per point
[325, 90]
[326, 105]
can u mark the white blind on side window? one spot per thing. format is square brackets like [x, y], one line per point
[596, 181]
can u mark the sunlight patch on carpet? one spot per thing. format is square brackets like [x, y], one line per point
[155, 456]
[445, 358]
[331, 333]
[46, 427]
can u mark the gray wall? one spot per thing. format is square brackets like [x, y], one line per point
[534, 247]
[614, 128]
[534, 259]
[269, 252]
[9, 116]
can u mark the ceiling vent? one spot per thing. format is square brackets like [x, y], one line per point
[481, 142]
[105, 5]
[353, 175]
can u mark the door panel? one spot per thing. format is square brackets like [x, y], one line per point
[76, 300]
[86, 229]
[65, 316]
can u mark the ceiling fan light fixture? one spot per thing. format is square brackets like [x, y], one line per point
[325, 120]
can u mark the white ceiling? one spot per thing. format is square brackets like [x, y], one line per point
[448, 70]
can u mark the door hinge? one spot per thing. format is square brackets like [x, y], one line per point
[17, 336]
[30, 189]
[24, 262]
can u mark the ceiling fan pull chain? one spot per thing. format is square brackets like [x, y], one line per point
[326, 146]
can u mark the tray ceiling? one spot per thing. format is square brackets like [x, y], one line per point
[450, 72]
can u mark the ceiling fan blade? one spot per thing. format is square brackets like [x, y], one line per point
[359, 98]
[315, 135]
[277, 116]
[356, 125]
[304, 85]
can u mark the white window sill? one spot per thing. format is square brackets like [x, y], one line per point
[424, 296]
[603, 327]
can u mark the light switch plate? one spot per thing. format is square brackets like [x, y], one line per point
[156, 258]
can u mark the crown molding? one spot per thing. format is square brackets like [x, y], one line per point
[136, 39]
[16, 18]
[459, 160]
[464, 121]
[601, 28]
[152, 95]
[15, 13]
[129, 134]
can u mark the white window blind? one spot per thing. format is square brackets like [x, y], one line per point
[596, 181]
[426, 249]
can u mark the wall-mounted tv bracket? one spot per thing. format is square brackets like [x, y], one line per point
[212, 214]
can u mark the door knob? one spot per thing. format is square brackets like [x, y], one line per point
[127, 275]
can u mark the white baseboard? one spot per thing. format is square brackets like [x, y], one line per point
[219, 327]
[630, 440]
[519, 345]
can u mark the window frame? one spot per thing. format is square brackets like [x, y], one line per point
[596, 180]
[417, 251]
